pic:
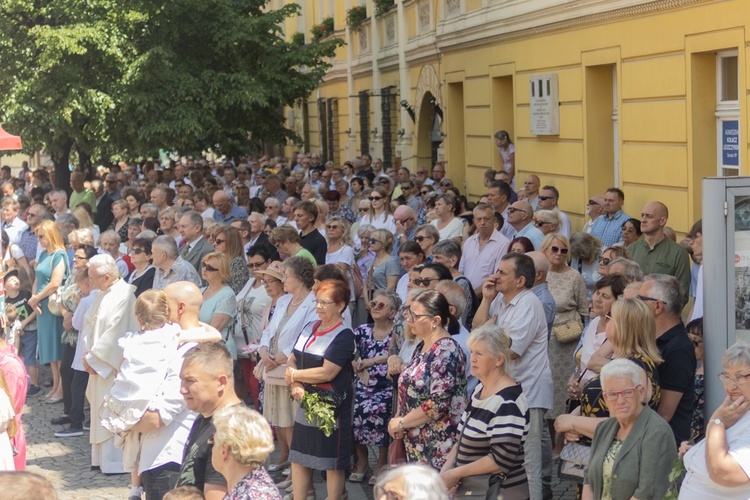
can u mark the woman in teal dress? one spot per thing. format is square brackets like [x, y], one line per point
[51, 271]
[219, 302]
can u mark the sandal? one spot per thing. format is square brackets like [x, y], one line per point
[358, 477]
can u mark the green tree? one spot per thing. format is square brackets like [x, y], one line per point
[129, 77]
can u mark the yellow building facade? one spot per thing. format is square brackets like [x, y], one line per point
[649, 96]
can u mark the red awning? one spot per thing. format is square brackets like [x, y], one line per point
[9, 142]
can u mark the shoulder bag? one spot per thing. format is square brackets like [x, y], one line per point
[574, 458]
[54, 302]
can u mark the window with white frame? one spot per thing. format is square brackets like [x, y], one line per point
[727, 113]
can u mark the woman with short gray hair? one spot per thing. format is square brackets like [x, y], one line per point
[717, 467]
[494, 426]
[423, 484]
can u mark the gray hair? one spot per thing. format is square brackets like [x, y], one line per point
[584, 246]
[151, 208]
[454, 294]
[262, 217]
[365, 228]
[110, 234]
[633, 271]
[738, 354]
[450, 248]
[667, 289]
[103, 264]
[274, 202]
[147, 234]
[424, 482]
[495, 338]
[430, 231]
[622, 368]
[195, 218]
[67, 219]
[166, 244]
[391, 297]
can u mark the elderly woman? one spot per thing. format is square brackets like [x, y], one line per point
[219, 302]
[633, 451]
[423, 483]
[228, 241]
[608, 255]
[291, 313]
[121, 219]
[51, 270]
[432, 388]
[631, 231]
[286, 240]
[495, 423]
[109, 318]
[632, 332]
[251, 302]
[110, 242]
[427, 235]
[373, 389]
[134, 229]
[584, 253]
[547, 221]
[569, 291]
[142, 277]
[448, 225]
[321, 363]
[168, 226]
[718, 466]
[410, 254]
[383, 272]
[241, 443]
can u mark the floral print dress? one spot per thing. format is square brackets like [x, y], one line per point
[434, 381]
[372, 402]
[256, 485]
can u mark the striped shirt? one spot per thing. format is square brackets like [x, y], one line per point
[496, 426]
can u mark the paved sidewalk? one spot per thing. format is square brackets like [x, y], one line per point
[66, 462]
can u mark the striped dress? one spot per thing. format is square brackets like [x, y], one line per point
[497, 426]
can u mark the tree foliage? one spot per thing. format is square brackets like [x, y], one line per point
[129, 77]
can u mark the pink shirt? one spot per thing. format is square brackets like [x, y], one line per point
[478, 265]
[17, 380]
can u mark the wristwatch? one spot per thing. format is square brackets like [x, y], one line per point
[718, 421]
[401, 424]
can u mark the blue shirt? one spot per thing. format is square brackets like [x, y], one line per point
[609, 229]
[548, 303]
[237, 213]
[533, 234]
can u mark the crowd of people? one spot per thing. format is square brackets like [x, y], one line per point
[205, 308]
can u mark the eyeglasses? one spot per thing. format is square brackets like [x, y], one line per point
[138, 251]
[219, 241]
[591, 202]
[544, 198]
[512, 210]
[324, 302]
[255, 265]
[377, 305]
[403, 221]
[604, 261]
[266, 281]
[364, 210]
[110, 182]
[563, 251]
[626, 393]
[78, 257]
[541, 223]
[737, 379]
[647, 299]
[333, 226]
[270, 208]
[420, 239]
[375, 198]
[412, 317]
[423, 281]
[373, 241]
[209, 267]
[405, 188]
[631, 230]
[445, 184]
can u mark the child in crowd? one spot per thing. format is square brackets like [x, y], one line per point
[17, 294]
[14, 326]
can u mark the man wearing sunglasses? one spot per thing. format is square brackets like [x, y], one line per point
[520, 216]
[548, 197]
[594, 209]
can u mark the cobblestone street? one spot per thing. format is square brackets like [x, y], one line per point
[66, 462]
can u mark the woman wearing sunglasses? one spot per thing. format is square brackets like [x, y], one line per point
[379, 215]
[219, 302]
[229, 242]
[142, 277]
[383, 272]
[547, 221]
[373, 389]
[569, 291]
[432, 388]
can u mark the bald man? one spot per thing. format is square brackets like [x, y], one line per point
[594, 209]
[224, 211]
[167, 423]
[520, 215]
[406, 226]
[657, 254]
[532, 185]
[540, 289]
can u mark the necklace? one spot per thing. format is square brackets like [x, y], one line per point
[295, 304]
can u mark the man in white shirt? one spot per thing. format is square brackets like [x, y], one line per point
[12, 225]
[548, 197]
[58, 200]
[507, 300]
